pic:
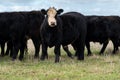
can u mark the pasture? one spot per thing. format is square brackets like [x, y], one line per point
[105, 67]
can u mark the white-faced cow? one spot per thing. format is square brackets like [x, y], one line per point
[57, 30]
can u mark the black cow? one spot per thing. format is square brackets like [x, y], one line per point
[97, 32]
[9, 50]
[69, 28]
[101, 29]
[9, 24]
[15, 26]
[33, 21]
[114, 26]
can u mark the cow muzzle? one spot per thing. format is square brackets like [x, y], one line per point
[52, 22]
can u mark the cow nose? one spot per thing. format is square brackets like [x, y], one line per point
[53, 23]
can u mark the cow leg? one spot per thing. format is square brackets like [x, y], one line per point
[114, 50]
[115, 45]
[104, 47]
[80, 45]
[74, 47]
[57, 53]
[2, 48]
[9, 46]
[25, 46]
[66, 49]
[80, 49]
[36, 43]
[88, 49]
[16, 47]
[22, 48]
[79, 52]
[44, 52]
[117, 48]
[21, 53]
[11, 52]
[26, 49]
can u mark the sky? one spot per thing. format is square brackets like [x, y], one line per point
[87, 7]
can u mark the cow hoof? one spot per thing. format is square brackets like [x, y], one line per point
[101, 54]
[89, 54]
[75, 55]
[46, 56]
[36, 56]
[6, 54]
[13, 59]
[72, 57]
[56, 61]
[42, 58]
[20, 58]
[11, 56]
[81, 58]
[114, 53]
[2, 55]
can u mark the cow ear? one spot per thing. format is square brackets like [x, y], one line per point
[43, 11]
[60, 11]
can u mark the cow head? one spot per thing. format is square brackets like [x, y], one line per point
[51, 15]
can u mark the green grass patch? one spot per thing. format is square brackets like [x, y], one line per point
[106, 67]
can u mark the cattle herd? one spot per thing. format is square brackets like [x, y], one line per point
[51, 28]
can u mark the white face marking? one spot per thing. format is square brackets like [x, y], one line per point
[51, 17]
